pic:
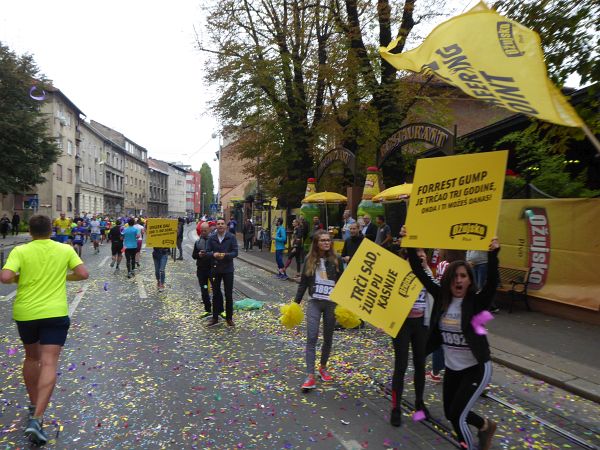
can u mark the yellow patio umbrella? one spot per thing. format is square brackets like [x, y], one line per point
[326, 198]
[400, 192]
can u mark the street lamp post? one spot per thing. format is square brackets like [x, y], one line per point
[203, 204]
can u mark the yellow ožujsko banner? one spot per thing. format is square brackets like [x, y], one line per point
[455, 201]
[492, 58]
[377, 286]
[161, 233]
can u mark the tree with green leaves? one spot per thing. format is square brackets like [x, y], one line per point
[206, 186]
[297, 78]
[27, 148]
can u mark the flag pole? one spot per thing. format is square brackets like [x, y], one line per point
[591, 137]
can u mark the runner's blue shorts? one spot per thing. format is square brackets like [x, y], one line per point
[51, 331]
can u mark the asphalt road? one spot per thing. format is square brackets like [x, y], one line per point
[141, 370]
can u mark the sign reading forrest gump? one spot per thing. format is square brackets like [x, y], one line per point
[377, 286]
[161, 233]
[455, 201]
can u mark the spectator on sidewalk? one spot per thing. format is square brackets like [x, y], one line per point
[41, 269]
[317, 225]
[16, 221]
[203, 267]
[280, 243]
[180, 223]
[4, 225]
[248, 232]
[322, 269]
[384, 233]
[232, 226]
[260, 237]
[222, 248]
[297, 251]
[369, 229]
[352, 243]
[478, 261]
[347, 221]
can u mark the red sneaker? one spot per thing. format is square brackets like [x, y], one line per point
[324, 374]
[309, 383]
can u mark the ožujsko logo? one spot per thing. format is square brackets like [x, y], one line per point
[475, 229]
[538, 230]
[507, 40]
[406, 284]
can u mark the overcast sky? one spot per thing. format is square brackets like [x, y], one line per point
[129, 64]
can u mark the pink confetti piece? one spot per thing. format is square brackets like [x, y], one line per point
[479, 320]
[418, 416]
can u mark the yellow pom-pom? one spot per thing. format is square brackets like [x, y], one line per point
[346, 318]
[291, 315]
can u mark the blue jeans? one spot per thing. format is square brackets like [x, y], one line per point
[480, 273]
[160, 263]
[279, 259]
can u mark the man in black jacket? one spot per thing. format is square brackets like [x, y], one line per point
[203, 268]
[370, 229]
[352, 243]
[222, 247]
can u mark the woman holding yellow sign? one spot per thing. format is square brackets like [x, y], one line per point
[455, 326]
[322, 268]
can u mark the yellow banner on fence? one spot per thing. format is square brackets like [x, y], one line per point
[378, 286]
[492, 58]
[455, 201]
[161, 233]
[558, 240]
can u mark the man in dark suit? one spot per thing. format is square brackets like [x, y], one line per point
[370, 229]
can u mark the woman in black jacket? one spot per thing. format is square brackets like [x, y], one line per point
[322, 268]
[467, 354]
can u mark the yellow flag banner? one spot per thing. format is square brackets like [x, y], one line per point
[492, 58]
[161, 233]
[455, 201]
[377, 286]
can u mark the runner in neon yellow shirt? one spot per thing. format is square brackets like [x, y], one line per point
[40, 269]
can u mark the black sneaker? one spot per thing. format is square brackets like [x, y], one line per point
[485, 436]
[34, 432]
[396, 417]
[112, 264]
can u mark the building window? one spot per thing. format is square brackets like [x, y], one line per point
[69, 176]
[69, 148]
[126, 179]
[69, 204]
[59, 172]
[59, 202]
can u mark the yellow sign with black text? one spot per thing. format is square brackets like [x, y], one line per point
[492, 58]
[455, 201]
[161, 233]
[377, 286]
